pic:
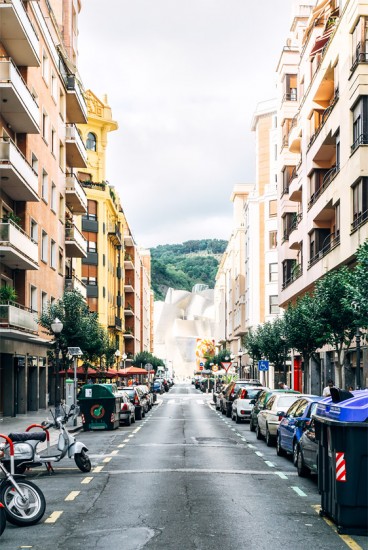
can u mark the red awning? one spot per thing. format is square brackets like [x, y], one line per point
[321, 41]
[131, 371]
[80, 371]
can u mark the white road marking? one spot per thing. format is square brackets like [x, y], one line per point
[98, 469]
[258, 453]
[251, 446]
[53, 517]
[194, 471]
[87, 480]
[280, 474]
[107, 459]
[136, 430]
[121, 445]
[270, 464]
[114, 453]
[299, 491]
[72, 495]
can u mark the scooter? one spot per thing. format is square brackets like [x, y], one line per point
[25, 445]
[21, 501]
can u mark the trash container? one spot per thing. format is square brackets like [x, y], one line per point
[100, 406]
[342, 434]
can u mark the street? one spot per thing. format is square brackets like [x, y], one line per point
[185, 477]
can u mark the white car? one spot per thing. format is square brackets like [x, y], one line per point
[268, 419]
[127, 411]
[243, 403]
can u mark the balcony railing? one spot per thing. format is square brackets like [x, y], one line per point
[114, 233]
[324, 118]
[361, 55]
[75, 196]
[296, 272]
[18, 34]
[362, 139]
[330, 245]
[18, 251]
[73, 283]
[327, 179]
[18, 107]
[17, 317]
[296, 220]
[18, 179]
[359, 219]
[75, 243]
[291, 95]
[76, 107]
[76, 153]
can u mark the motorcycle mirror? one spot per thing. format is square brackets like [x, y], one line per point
[72, 407]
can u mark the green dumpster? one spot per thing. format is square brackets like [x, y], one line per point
[100, 406]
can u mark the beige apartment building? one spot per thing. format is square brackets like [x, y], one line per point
[323, 113]
[41, 100]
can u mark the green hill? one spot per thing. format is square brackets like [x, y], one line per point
[181, 266]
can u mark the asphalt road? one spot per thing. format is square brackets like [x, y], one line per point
[185, 477]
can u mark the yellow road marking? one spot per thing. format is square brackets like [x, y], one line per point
[107, 459]
[97, 469]
[114, 452]
[126, 440]
[121, 446]
[73, 495]
[87, 480]
[136, 430]
[53, 517]
[131, 435]
[348, 540]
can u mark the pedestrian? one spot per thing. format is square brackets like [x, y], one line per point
[283, 386]
[326, 391]
[350, 388]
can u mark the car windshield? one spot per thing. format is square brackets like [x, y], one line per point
[252, 393]
[130, 392]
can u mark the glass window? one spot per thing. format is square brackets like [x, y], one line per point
[91, 143]
[273, 273]
[45, 186]
[360, 202]
[89, 274]
[92, 210]
[45, 126]
[34, 162]
[44, 301]
[53, 197]
[44, 246]
[273, 208]
[33, 298]
[273, 239]
[274, 305]
[53, 254]
[34, 231]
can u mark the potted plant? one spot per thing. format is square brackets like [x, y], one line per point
[7, 295]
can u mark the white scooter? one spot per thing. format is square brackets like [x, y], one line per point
[26, 454]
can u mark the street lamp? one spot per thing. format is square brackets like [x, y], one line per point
[240, 353]
[124, 358]
[117, 355]
[57, 327]
[283, 338]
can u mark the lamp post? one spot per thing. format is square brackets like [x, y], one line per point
[240, 353]
[124, 358]
[284, 358]
[357, 342]
[57, 327]
[117, 355]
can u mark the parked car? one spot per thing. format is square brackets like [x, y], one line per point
[220, 398]
[148, 395]
[138, 399]
[127, 412]
[307, 449]
[230, 394]
[269, 418]
[290, 431]
[244, 401]
[261, 402]
[157, 386]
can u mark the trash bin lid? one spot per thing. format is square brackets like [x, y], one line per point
[354, 409]
[96, 391]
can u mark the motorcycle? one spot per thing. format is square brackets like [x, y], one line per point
[22, 501]
[25, 445]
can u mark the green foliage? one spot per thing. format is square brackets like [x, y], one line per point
[218, 359]
[252, 343]
[181, 266]
[358, 287]
[144, 357]
[272, 341]
[7, 294]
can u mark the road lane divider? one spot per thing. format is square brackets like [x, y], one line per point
[136, 430]
[72, 495]
[121, 445]
[97, 469]
[86, 480]
[280, 474]
[298, 491]
[114, 453]
[258, 453]
[53, 517]
[270, 464]
[107, 459]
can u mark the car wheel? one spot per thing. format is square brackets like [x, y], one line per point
[138, 414]
[251, 425]
[279, 450]
[133, 418]
[128, 421]
[228, 412]
[258, 432]
[295, 453]
[223, 410]
[301, 467]
[237, 419]
[269, 438]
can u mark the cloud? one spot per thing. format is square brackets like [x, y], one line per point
[183, 80]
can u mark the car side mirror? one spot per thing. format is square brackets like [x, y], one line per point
[252, 401]
[281, 414]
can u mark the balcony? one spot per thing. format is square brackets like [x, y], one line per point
[295, 139]
[18, 251]
[325, 249]
[128, 311]
[128, 240]
[128, 262]
[114, 233]
[17, 317]
[18, 179]
[76, 153]
[327, 179]
[76, 107]
[296, 272]
[290, 95]
[360, 57]
[129, 285]
[360, 218]
[18, 106]
[73, 283]
[115, 322]
[18, 35]
[75, 243]
[75, 195]
[128, 334]
[295, 189]
[325, 115]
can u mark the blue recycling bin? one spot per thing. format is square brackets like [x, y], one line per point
[342, 434]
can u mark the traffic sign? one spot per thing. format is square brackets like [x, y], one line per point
[226, 365]
[214, 368]
[201, 364]
[75, 351]
[200, 368]
[263, 365]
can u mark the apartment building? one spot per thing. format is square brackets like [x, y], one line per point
[322, 94]
[41, 100]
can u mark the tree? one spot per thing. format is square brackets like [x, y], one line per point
[145, 357]
[272, 342]
[303, 330]
[336, 313]
[358, 287]
[252, 343]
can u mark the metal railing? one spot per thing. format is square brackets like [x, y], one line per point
[361, 55]
[17, 316]
[296, 272]
[362, 139]
[359, 219]
[326, 248]
[324, 118]
[327, 179]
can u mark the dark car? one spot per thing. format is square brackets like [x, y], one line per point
[260, 404]
[138, 399]
[307, 449]
[231, 392]
[290, 430]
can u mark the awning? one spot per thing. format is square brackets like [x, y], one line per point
[321, 42]
[131, 371]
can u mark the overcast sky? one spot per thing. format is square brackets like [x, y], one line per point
[183, 78]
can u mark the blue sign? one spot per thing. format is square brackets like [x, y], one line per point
[263, 365]
[201, 364]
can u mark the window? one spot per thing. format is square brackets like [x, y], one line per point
[53, 86]
[360, 42]
[273, 273]
[43, 301]
[53, 197]
[45, 68]
[45, 126]
[89, 274]
[91, 210]
[272, 239]
[45, 186]
[337, 220]
[53, 254]
[61, 104]
[61, 263]
[274, 305]
[34, 163]
[91, 239]
[84, 177]
[360, 202]
[360, 123]
[291, 87]
[62, 156]
[33, 298]
[34, 231]
[273, 208]
[53, 141]
[44, 246]
[91, 143]
[93, 304]
[61, 208]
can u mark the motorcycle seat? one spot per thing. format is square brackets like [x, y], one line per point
[27, 436]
